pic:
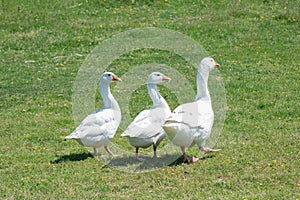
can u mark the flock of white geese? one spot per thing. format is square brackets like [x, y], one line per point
[189, 124]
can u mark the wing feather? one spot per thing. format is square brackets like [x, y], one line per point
[100, 122]
[196, 114]
[147, 123]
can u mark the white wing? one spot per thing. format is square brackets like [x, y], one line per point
[147, 123]
[101, 122]
[198, 114]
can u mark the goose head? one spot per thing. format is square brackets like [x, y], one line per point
[108, 77]
[157, 77]
[208, 64]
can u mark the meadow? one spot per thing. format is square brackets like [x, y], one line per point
[43, 45]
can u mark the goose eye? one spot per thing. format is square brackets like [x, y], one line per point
[157, 74]
[109, 74]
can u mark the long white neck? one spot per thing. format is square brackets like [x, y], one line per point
[108, 99]
[157, 99]
[202, 89]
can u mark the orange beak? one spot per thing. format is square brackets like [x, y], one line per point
[165, 78]
[115, 78]
[217, 64]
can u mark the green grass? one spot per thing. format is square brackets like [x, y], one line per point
[44, 43]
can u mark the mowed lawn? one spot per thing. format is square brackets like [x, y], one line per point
[43, 45]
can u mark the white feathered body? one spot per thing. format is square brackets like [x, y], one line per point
[146, 129]
[190, 123]
[97, 129]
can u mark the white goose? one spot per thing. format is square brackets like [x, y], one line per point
[146, 130]
[191, 123]
[99, 127]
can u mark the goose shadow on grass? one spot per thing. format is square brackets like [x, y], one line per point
[125, 161]
[130, 164]
[181, 160]
[72, 157]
